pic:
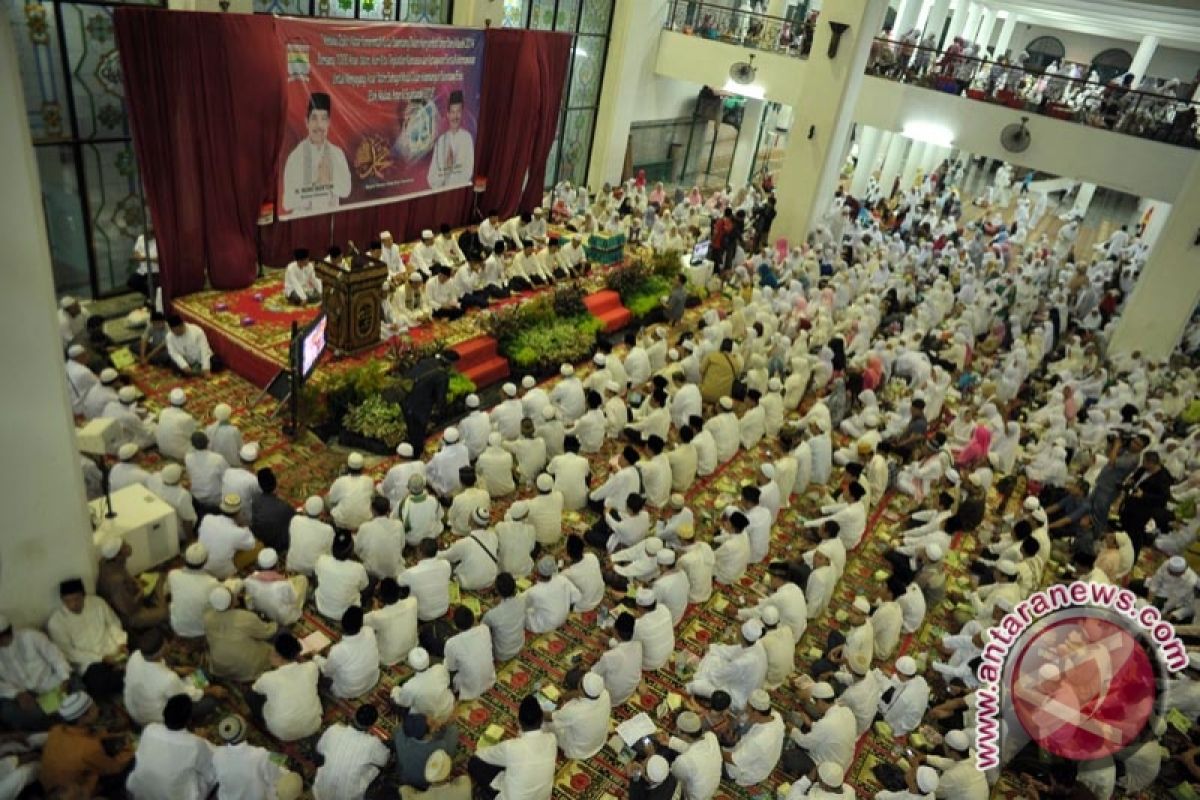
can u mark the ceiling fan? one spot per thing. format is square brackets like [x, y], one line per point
[1015, 138]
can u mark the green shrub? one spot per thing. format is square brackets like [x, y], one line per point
[376, 418]
[460, 387]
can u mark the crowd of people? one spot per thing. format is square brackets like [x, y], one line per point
[911, 360]
[1154, 109]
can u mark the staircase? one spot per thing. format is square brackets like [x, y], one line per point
[606, 307]
[479, 361]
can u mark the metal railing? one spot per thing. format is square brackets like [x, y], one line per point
[1113, 106]
[742, 28]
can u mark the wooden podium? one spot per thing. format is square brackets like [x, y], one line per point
[353, 301]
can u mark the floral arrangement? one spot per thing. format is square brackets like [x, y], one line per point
[354, 397]
[376, 418]
[540, 334]
[643, 284]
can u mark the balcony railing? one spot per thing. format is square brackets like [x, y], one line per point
[1147, 115]
[742, 28]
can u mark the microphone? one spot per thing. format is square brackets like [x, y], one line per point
[353, 247]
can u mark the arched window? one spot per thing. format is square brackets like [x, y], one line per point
[1111, 63]
[1044, 51]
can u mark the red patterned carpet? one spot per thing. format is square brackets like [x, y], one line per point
[308, 466]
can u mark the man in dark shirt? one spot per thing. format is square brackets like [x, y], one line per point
[415, 743]
[469, 243]
[271, 517]
[764, 217]
[1066, 514]
[430, 379]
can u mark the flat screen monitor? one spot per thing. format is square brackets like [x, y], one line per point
[700, 252]
[312, 345]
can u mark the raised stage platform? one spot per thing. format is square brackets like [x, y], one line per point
[250, 330]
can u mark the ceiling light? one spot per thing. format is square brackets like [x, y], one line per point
[929, 132]
[751, 90]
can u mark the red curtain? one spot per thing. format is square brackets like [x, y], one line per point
[206, 100]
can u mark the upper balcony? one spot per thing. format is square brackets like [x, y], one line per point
[761, 32]
[1161, 116]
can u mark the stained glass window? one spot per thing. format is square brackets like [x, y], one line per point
[95, 68]
[75, 105]
[541, 15]
[514, 14]
[576, 146]
[36, 33]
[586, 71]
[568, 16]
[114, 198]
[427, 11]
[596, 16]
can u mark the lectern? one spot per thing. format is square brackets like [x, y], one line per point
[352, 296]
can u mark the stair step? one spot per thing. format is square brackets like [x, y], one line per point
[614, 319]
[486, 373]
[602, 301]
[475, 351]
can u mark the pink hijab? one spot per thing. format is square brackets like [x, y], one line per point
[976, 449]
[873, 375]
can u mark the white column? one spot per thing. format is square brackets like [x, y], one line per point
[932, 156]
[958, 21]
[1142, 58]
[985, 29]
[1083, 198]
[614, 116]
[906, 17]
[743, 154]
[777, 8]
[830, 87]
[916, 155]
[940, 154]
[1168, 289]
[1006, 33]
[936, 19]
[974, 14]
[893, 162]
[47, 532]
[868, 154]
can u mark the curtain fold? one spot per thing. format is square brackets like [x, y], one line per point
[552, 63]
[206, 103]
[206, 97]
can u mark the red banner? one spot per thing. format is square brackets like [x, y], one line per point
[376, 113]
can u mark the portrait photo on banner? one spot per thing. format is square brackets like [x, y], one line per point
[376, 113]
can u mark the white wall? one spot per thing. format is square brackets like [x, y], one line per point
[1126, 163]
[704, 61]
[46, 534]
[1168, 62]
[652, 96]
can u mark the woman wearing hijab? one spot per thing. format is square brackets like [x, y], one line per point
[976, 452]
[872, 376]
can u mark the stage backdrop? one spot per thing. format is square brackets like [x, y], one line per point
[207, 102]
[376, 113]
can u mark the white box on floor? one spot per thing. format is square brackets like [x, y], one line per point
[144, 521]
[697, 274]
[98, 437]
